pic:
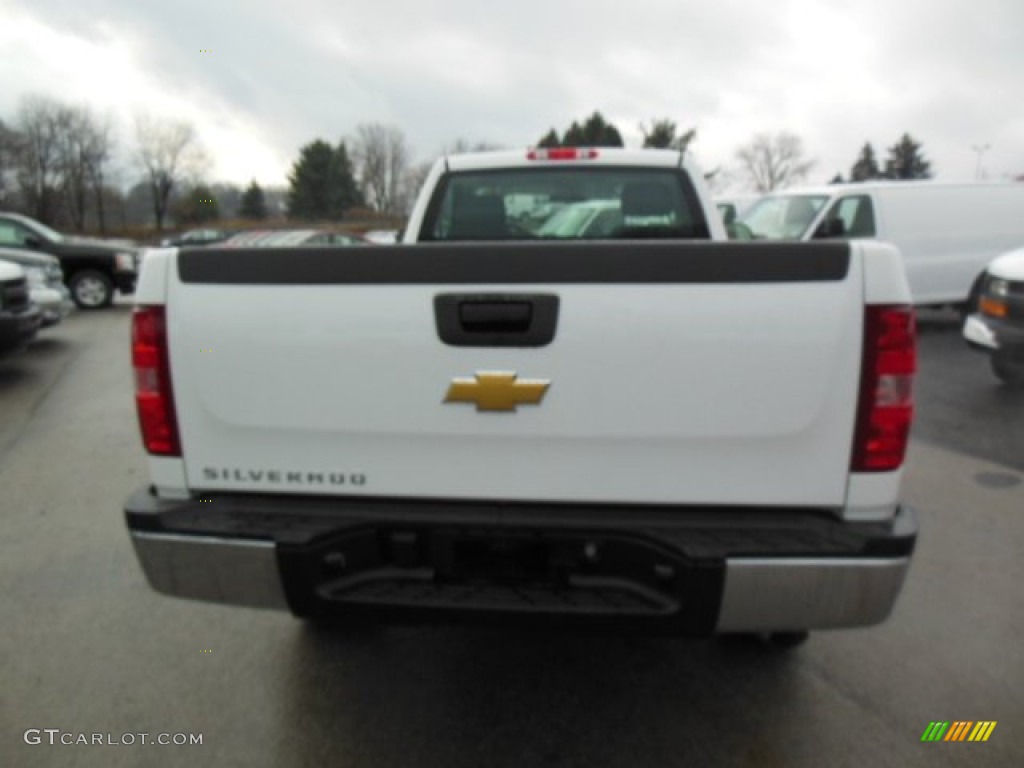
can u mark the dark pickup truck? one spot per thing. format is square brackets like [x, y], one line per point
[93, 269]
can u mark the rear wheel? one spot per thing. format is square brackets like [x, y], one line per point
[1007, 369]
[91, 289]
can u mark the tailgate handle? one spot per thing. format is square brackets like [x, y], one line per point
[495, 316]
[496, 320]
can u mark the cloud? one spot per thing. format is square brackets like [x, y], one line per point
[282, 74]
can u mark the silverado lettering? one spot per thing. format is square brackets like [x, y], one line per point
[282, 476]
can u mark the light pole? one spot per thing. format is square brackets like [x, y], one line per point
[981, 149]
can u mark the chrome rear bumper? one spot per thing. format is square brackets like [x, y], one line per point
[790, 593]
[234, 571]
[731, 594]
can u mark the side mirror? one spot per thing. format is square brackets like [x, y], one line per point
[830, 228]
[33, 242]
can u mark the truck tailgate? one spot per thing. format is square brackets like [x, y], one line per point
[685, 373]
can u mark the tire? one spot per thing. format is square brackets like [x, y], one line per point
[1008, 370]
[91, 289]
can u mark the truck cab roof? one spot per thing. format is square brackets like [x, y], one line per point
[663, 158]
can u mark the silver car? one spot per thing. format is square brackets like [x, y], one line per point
[45, 283]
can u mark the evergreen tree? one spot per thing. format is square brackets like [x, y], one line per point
[866, 167]
[595, 131]
[838, 179]
[905, 161]
[574, 136]
[196, 206]
[253, 205]
[344, 191]
[321, 184]
[309, 181]
[550, 139]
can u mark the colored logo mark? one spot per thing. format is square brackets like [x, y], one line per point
[497, 391]
[959, 730]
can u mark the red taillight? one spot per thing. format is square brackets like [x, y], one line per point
[562, 153]
[153, 396]
[886, 406]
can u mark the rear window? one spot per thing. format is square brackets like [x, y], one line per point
[560, 204]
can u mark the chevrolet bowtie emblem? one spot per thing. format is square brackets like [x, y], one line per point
[497, 391]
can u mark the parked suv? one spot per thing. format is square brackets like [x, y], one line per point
[19, 317]
[93, 269]
[45, 283]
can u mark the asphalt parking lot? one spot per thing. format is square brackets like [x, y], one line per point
[88, 648]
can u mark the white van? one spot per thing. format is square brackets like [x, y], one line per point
[947, 233]
[734, 206]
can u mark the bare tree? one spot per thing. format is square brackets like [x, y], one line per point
[10, 143]
[59, 154]
[96, 157]
[167, 152]
[74, 126]
[415, 178]
[38, 158]
[774, 162]
[462, 146]
[381, 159]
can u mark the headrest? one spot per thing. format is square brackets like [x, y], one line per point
[646, 199]
[480, 216]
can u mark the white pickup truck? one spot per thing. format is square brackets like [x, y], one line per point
[595, 411]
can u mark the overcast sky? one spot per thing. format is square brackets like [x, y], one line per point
[284, 72]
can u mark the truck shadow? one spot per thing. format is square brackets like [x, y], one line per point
[47, 346]
[403, 696]
[11, 372]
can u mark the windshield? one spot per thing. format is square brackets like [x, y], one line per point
[591, 203]
[52, 235]
[782, 217]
